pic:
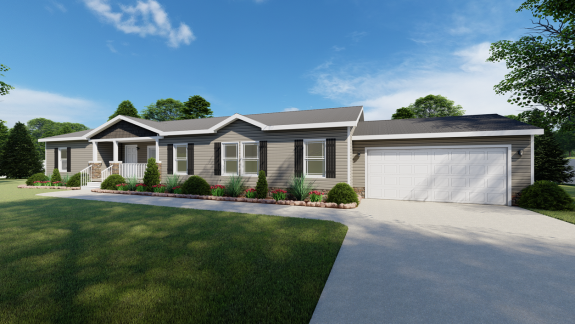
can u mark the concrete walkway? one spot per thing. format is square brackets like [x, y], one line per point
[414, 262]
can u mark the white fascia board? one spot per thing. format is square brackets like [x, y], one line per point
[451, 134]
[235, 117]
[116, 120]
[129, 139]
[360, 113]
[308, 126]
[61, 139]
[190, 132]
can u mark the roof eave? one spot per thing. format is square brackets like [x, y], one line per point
[449, 134]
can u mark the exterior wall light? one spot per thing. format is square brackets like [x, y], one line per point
[520, 152]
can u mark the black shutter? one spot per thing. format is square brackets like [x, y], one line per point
[264, 156]
[121, 152]
[330, 158]
[190, 158]
[56, 158]
[170, 158]
[69, 162]
[217, 158]
[298, 154]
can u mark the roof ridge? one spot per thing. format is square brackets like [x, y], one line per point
[279, 112]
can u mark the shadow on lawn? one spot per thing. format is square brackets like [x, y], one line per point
[77, 261]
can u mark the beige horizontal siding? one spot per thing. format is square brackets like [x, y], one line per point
[280, 152]
[80, 155]
[520, 165]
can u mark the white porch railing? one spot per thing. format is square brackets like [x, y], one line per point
[128, 170]
[86, 176]
[106, 173]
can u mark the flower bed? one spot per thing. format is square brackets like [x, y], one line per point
[48, 187]
[239, 199]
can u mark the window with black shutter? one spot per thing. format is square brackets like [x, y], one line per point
[170, 158]
[56, 158]
[69, 160]
[264, 156]
[330, 158]
[298, 156]
[190, 158]
[217, 158]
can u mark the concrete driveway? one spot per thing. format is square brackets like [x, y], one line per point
[415, 262]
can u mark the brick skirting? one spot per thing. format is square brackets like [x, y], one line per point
[48, 187]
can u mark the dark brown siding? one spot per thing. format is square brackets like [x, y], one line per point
[123, 129]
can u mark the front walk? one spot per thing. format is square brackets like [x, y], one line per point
[416, 262]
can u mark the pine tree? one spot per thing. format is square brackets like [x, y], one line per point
[126, 109]
[4, 131]
[262, 185]
[18, 157]
[550, 163]
[55, 176]
[152, 174]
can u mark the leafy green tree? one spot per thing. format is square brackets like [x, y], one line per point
[435, 106]
[42, 127]
[4, 87]
[163, 110]
[125, 109]
[196, 107]
[403, 113]
[541, 64]
[19, 158]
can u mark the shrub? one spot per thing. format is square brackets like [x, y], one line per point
[544, 194]
[251, 193]
[262, 185]
[315, 196]
[235, 186]
[56, 176]
[74, 180]
[152, 174]
[111, 182]
[122, 186]
[36, 177]
[173, 181]
[299, 188]
[342, 193]
[140, 187]
[196, 185]
[279, 194]
[160, 188]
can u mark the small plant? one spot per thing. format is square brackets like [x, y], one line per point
[544, 194]
[131, 183]
[152, 174]
[279, 194]
[140, 187]
[262, 185]
[235, 186]
[251, 193]
[122, 186]
[37, 183]
[57, 183]
[65, 179]
[46, 183]
[315, 196]
[74, 180]
[173, 181]
[196, 185]
[218, 190]
[342, 193]
[177, 190]
[36, 177]
[299, 188]
[111, 181]
[160, 188]
[55, 176]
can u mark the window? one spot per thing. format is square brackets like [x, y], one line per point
[250, 160]
[63, 159]
[230, 158]
[151, 152]
[314, 158]
[181, 158]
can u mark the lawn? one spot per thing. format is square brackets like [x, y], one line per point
[565, 215]
[78, 261]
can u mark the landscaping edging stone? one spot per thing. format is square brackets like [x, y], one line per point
[239, 199]
[48, 187]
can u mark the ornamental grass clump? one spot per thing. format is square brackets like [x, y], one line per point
[218, 190]
[299, 188]
[196, 185]
[342, 193]
[544, 194]
[159, 188]
[111, 181]
[262, 185]
[55, 176]
[35, 178]
[173, 181]
[131, 183]
[279, 194]
[122, 186]
[65, 179]
[140, 187]
[235, 186]
[251, 193]
[315, 196]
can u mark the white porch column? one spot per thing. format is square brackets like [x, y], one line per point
[115, 151]
[94, 151]
[157, 149]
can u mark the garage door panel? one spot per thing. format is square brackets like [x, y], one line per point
[477, 169]
[458, 182]
[477, 183]
[406, 181]
[440, 182]
[391, 194]
[477, 197]
[496, 198]
[420, 194]
[441, 169]
[495, 170]
[405, 169]
[458, 169]
[390, 169]
[390, 181]
[390, 156]
[459, 196]
[441, 195]
[421, 182]
[421, 169]
[375, 168]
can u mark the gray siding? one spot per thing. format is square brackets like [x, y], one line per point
[280, 152]
[105, 153]
[80, 155]
[123, 129]
[520, 166]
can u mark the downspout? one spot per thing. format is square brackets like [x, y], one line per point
[348, 155]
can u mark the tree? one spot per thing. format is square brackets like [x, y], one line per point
[403, 113]
[4, 132]
[542, 64]
[435, 106]
[262, 185]
[196, 107]
[4, 87]
[19, 158]
[163, 110]
[126, 109]
[42, 127]
[550, 163]
[152, 174]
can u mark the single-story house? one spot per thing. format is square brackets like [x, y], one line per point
[484, 159]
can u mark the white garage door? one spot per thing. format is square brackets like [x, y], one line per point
[477, 175]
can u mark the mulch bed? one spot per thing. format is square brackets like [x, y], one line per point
[48, 187]
[239, 199]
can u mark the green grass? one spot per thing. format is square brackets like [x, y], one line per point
[564, 215]
[79, 261]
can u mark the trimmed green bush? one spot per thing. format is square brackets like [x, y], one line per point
[262, 185]
[342, 193]
[196, 185]
[152, 174]
[544, 194]
[111, 182]
[74, 181]
[36, 177]
[56, 176]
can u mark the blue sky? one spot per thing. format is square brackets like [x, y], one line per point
[77, 60]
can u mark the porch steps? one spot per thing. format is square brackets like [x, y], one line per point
[92, 185]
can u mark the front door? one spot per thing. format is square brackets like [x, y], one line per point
[131, 154]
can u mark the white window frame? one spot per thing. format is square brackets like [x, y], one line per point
[148, 152]
[223, 158]
[305, 158]
[243, 158]
[126, 153]
[62, 165]
[175, 158]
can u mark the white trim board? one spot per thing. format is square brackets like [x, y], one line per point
[532, 159]
[450, 134]
[509, 154]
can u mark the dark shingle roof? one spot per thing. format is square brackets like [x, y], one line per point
[472, 123]
[74, 134]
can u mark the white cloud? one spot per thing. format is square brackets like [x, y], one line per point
[145, 18]
[356, 36]
[55, 5]
[337, 48]
[291, 109]
[111, 47]
[463, 76]
[25, 104]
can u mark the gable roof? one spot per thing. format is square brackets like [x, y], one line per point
[471, 125]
